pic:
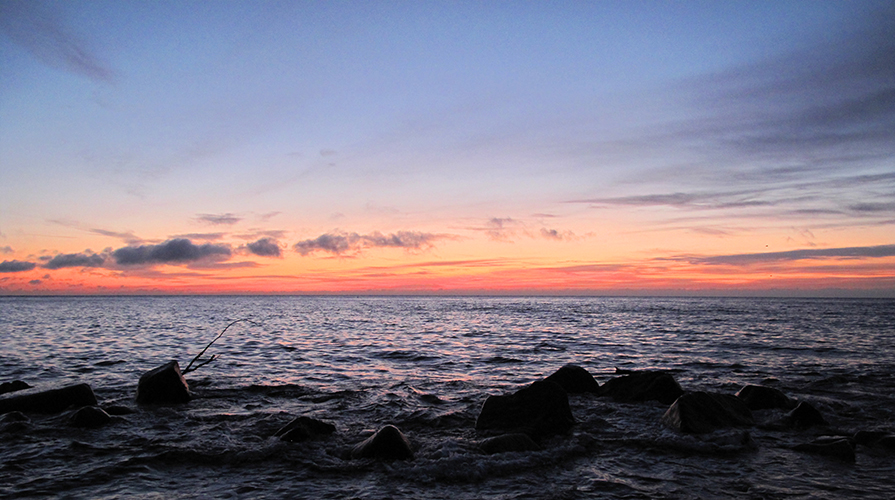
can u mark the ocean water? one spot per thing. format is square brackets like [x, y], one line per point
[426, 364]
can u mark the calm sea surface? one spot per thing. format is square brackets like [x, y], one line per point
[426, 365]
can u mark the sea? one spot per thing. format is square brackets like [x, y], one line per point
[426, 365]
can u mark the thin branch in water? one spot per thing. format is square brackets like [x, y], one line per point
[213, 357]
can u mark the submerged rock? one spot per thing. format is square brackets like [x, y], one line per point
[702, 412]
[539, 409]
[507, 443]
[759, 397]
[804, 415]
[575, 379]
[837, 447]
[89, 416]
[388, 443]
[52, 401]
[304, 428]
[15, 385]
[880, 439]
[650, 385]
[163, 385]
[14, 422]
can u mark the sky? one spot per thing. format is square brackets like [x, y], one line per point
[605, 147]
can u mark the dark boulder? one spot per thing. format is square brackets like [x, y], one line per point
[89, 416]
[702, 412]
[387, 443]
[15, 385]
[539, 409]
[759, 397]
[304, 428]
[836, 447]
[575, 379]
[52, 401]
[507, 443]
[163, 385]
[649, 385]
[804, 415]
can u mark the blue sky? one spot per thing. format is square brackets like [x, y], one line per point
[653, 129]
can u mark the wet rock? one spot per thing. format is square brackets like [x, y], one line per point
[89, 416]
[14, 422]
[880, 439]
[52, 401]
[651, 385]
[804, 415]
[702, 412]
[539, 409]
[575, 379]
[118, 410]
[837, 447]
[15, 385]
[508, 442]
[388, 443]
[304, 428]
[759, 397]
[163, 385]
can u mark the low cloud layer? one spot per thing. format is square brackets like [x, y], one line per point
[265, 247]
[75, 260]
[16, 266]
[745, 259]
[176, 251]
[341, 242]
[227, 219]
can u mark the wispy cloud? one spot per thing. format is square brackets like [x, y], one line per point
[33, 27]
[339, 243]
[7, 250]
[176, 251]
[226, 219]
[868, 252]
[128, 236]
[75, 260]
[16, 266]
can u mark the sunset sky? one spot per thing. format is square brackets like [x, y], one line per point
[606, 147]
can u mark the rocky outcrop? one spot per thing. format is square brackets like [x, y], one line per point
[650, 385]
[539, 409]
[804, 415]
[507, 443]
[836, 447]
[702, 412]
[89, 416]
[304, 428]
[575, 380]
[52, 401]
[15, 385]
[163, 385]
[759, 397]
[388, 443]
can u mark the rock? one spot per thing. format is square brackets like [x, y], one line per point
[15, 385]
[575, 379]
[89, 416]
[837, 447]
[759, 397]
[52, 401]
[539, 409]
[508, 442]
[804, 415]
[14, 422]
[650, 385]
[387, 443]
[304, 428]
[163, 385]
[118, 410]
[702, 412]
[881, 439]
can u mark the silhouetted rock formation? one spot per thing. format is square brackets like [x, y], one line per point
[804, 415]
[163, 385]
[15, 385]
[575, 379]
[837, 447]
[387, 443]
[651, 385]
[89, 416]
[304, 428]
[540, 409]
[759, 397]
[701, 412]
[52, 401]
[508, 442]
